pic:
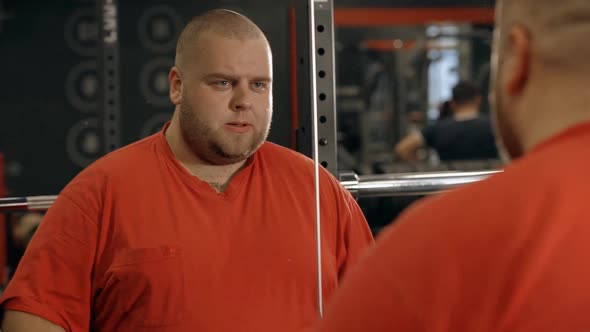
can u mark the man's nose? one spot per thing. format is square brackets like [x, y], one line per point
[241, 99]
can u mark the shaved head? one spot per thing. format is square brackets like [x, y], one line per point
[222, 22]
[221, 86]
[540, 70]
[559, 30]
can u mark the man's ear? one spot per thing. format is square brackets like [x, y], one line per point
[520, 53]
[176, 85]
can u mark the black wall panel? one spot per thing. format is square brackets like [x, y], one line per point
[48, 93]
[49, 85]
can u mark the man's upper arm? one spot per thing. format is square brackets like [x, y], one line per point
[357, 235]
[408, 147]
[18, 321]
[53, 278]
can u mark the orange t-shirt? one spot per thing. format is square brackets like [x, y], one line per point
[135, 242]
[510, 253]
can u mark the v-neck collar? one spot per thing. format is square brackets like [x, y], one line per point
[235, 185]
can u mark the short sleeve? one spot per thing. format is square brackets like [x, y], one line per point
[53, 279]
[354, 233]
[357, 234]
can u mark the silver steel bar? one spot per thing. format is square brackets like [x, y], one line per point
[316, 175]
[39, 203]
[383, 185]
[389, 185]
[29, 203]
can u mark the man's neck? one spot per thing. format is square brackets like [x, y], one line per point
[553, 103]
[465, 113]
[548, 126]
[218, 176]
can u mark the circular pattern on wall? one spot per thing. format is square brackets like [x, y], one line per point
[158, 28]
[153, 81]
[13, 168]
[83, 142]
[81, 32]
[83, 86]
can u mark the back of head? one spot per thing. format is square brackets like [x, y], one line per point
[558, 30]
[541, 70]
[464, 93]
[221, 22]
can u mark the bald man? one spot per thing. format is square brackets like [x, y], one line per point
[203, 226]
[510, 253]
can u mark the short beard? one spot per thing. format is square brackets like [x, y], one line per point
[200, 139]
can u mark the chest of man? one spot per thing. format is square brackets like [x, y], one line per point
[190, 261]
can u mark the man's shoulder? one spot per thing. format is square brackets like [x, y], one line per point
[462, 206]
[128, 160]
[292, 164]
[437, 127]
[496, 201]
[280, 154]
[132, 155]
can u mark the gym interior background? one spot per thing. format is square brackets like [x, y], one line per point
[395, 62]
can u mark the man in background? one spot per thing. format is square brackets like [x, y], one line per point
[466, 135]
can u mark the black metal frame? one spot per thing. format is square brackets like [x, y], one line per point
[324, 75]
[108, 66]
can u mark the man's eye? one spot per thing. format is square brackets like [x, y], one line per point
[222, 83]
[259, 85]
